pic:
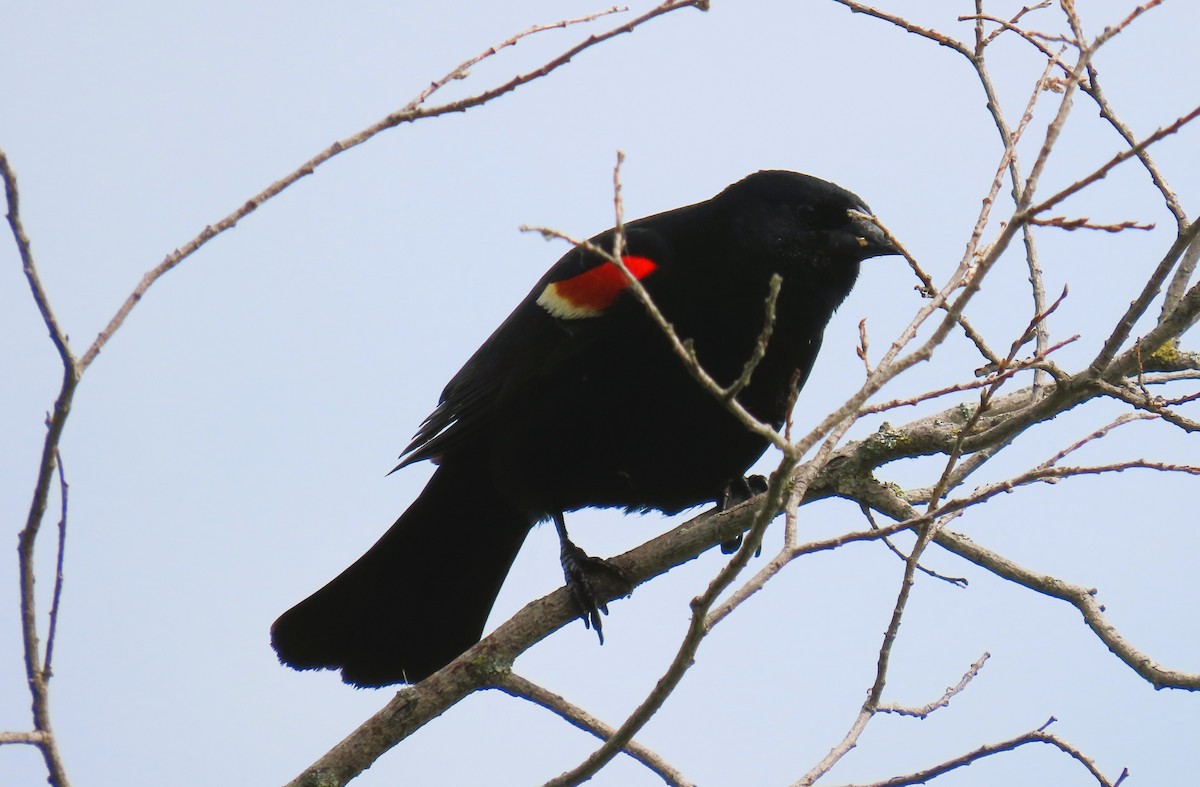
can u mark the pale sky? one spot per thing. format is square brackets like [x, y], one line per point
[227, 452]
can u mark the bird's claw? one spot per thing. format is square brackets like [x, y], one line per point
[581, 572]
[735, 492]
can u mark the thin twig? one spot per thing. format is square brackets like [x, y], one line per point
[895, 550]
[1083, 223]
[1010, 139]
[904, 24]
[1102, 171]
[1011, 369]
[1078, 596]
[414, 110]
[760, 344]
[883, 498]
[1170, 198]
[516, 686]
[1096, 435]
[36, 673]
[1181, 279]
[927, 290]
[864, 345]
[56, 598]
[25, 249]
[924, 711]
[1131, 395]
[1124, 327]
[871, 705]
[34, 738]
[697, 630]
[1004, 25]
[1034, 736]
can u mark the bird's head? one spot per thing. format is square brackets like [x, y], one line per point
[800, 221]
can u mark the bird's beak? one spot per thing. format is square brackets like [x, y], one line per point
[871, 239]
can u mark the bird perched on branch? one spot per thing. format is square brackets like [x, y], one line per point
[578, 399]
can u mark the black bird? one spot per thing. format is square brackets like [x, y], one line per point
[577, 400]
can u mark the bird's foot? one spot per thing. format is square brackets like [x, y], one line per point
[736, 492]
[583, 573]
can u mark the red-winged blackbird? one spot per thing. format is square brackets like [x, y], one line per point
[577, 400]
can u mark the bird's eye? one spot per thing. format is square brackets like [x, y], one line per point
[805, 216]
[820, 217]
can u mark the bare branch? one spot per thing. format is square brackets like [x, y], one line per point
[414, 110]
[1035, 736]
[34, 738]
[760, 344]
[972, 269]
[969, 437]
[1010, 140]
[463, 70]
[699, 626]
[1179, 282]
[1050, 475]
[875, 694]
[927, 290]
[949, 475]
[791, 552]
[516, 686]
[1083, 223]
[1162, 378]
[1102, 171]
[485, 664]
[884, 499]
[36, 671]
[895, 550]
[1014, 369]
[924, 711]
[864, 345]
[1092, 88]
[1124, 326]
[25, 249]
[1010, 24]
[904, 24]
[1131, 395]
[1096, 435]
[56, 598]
[1083, 599]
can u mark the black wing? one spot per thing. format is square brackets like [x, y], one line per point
[533, 340]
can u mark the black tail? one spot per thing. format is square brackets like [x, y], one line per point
[420, 596]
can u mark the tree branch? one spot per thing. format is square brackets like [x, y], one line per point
[924, 711]
[414, 110]
[516, 686]
[1035, 736]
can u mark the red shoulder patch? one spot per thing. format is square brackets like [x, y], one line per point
[591, 292]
